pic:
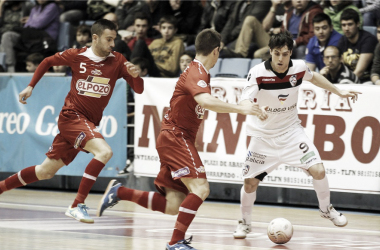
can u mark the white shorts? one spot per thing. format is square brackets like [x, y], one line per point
[293, 148]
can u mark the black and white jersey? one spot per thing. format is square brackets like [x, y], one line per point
[278, 91]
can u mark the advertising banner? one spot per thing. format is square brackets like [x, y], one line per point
[346, 134]
[27, 131]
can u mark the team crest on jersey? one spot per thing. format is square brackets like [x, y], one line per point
[293, 80]
[96, 72]
[93, 86]
[201, 169]
[282, 98]
[202, 84]
[199, 111]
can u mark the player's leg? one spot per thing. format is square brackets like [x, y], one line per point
[31, 174]
[321, 187]
[199, 191]
[115, 192]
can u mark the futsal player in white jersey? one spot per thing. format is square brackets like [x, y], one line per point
[280, 139]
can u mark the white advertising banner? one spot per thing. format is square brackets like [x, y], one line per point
[346, 134]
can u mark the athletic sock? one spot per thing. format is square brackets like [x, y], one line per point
[23, 177]
[322, 189]
[150, 200]
[246, 204]
[187, 211]
[89, 177]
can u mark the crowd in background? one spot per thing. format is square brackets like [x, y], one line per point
[333, 36]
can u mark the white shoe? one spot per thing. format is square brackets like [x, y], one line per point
[337, 218]
[242, 230]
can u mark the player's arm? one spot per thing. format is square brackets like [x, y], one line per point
[311, 66]
[133, 78]
[322, 82]
[363, 62]
[209, 102]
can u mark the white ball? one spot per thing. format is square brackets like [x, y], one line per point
[280, 230]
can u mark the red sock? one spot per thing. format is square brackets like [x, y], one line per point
[89, 177]
[187, 211]
[151, 200]
[23, 177]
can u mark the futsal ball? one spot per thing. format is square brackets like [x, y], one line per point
[280, 230]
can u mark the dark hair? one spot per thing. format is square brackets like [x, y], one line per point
[168, 19]
[334, 47]
[206, 41]
[35, 58]
[142, 62]
[100, 25]
[320, 17]
[189, 53]
[280, 40]
[350, 14]
[84, 29]
[142, 16]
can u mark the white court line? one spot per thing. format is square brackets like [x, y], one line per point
[203, 219]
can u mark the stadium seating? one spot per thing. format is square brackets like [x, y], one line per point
[234, 67]
[64, 36]
[370, 29]
[216, 68]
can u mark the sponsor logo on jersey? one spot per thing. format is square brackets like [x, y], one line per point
[293, 80]
[96, 72]
[201, 169]
[79, 139]
[202, 84]
[306, 158]
[180, 172]
[268, 79]
[255, 157]
[245, 170]
[93, 86]
[282, 98]
[199, 111]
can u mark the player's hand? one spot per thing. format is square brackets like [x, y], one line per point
[132, 70]
[350, 93]
[25, 94]
[255, 109]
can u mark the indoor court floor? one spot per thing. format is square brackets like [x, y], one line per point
[35, 220]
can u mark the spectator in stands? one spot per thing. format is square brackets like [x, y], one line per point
[96, 9]
[11, 13]
[141, 26]
[370, 10]
[357, 45]
[375, 71]
[216, 14]
[157, 10]
[335, 71]
[32, 61]
[39, 31]
[72, 11]
[120, 45]
[163, 53]
[231, 30]
[186, 58]
[126, 10]
[83, 36]
[142, 66]
[259, 33]
[299, 22]
[335, 8]
[325, 35]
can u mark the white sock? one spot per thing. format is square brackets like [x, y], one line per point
[246, 204]
[322, 189]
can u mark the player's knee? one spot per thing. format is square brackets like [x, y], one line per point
[250, 185]
[318, 172]
[45, 174]
[203, 192]
[172, 210]
[106, 154]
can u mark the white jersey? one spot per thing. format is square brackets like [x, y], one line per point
[278, 91]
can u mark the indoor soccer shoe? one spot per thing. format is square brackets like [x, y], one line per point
[337, 218]
[181, 245]
[109, 198]
[242, 230]
[79, 213]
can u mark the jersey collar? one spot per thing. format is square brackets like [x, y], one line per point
[268, 66]
[195, 60]
[89, 53]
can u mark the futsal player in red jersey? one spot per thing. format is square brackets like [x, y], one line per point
[182, 182]
[95, 71]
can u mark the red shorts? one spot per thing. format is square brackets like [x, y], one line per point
[75, 132]
[179, 159]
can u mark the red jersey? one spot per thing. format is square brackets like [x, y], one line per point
[185, 113]
[93, 79]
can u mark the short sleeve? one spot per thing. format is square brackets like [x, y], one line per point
[197, 81]
[65, 57]
[251, 88]
[308, 74]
